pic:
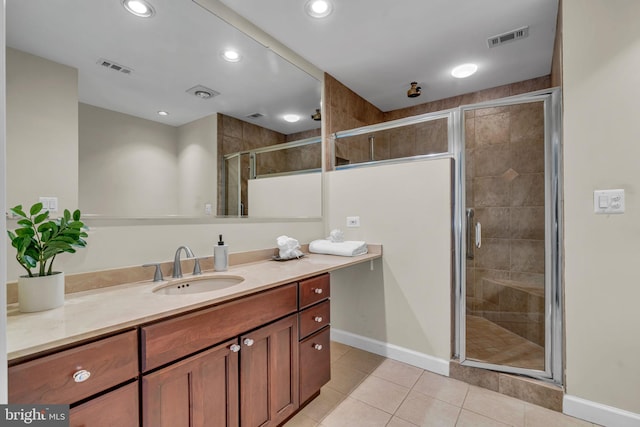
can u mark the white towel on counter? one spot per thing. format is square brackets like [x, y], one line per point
[346, 248]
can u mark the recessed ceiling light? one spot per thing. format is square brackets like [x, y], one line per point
[319, 8]
[291, 118]
[163, 113]
[231, 55]
[464, 70]
[140, 8]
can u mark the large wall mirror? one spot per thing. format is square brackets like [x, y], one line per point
[87, 82]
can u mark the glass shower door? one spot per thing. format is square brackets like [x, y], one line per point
[508, 322]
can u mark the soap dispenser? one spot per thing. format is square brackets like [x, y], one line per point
[220, 256]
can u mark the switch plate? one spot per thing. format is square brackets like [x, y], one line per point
[207, 209]
[49, 203]
[608, 201]
[353, 221]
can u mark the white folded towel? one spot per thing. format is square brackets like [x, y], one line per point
[346, 248]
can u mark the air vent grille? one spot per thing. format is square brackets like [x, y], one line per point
[255, 116]
[508, 37]
[106, 63]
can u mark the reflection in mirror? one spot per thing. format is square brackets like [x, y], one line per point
[427, 136]
[85, 83]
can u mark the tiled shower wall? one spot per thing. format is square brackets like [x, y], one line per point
[235, 135]
[505, 185]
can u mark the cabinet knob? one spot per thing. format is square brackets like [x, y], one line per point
[318, 290]
[318, 319]
[317, 346]
[248, 342]
[81, 376]
[234, 348]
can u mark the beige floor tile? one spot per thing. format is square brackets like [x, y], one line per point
[471, 419]
[494, 405]
[360, 360]
[399, 422]
[536, 416]
[301, 420]
[338, 350]
[398, 372]
[353, 413]
[426, 411]
[322, 405]
[345, 378]
[442, 388]
[380, 393]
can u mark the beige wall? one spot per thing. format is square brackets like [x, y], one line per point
[601, 58]
[197, 166]
[3, 207]
[407, 208]
[128, 165]
[42, 130]
[286, 196]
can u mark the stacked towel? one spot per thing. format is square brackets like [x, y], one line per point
[346, 248]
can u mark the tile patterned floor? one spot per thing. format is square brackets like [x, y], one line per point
[368, 390]
[488, 342]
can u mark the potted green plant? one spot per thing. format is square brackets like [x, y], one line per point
[38, 240]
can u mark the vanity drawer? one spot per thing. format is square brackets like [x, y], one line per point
[116, 408]
[172, 339]
[314, 318]
[50, 379]
[315, 363]
[314, 290]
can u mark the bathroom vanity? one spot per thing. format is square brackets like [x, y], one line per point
[249, 358]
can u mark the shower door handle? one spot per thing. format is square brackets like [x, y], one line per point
[470, 243]
[478, 235]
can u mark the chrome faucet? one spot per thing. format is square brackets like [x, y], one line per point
[177, 268]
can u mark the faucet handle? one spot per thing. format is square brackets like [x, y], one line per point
[157, 275]
[196, 266]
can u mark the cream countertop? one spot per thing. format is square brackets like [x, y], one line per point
[93, 313]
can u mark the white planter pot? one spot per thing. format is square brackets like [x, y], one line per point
[40, 293]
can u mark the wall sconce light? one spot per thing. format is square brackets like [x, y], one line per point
[317, 116]
[414, 90]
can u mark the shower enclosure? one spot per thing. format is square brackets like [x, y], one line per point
[506, 221]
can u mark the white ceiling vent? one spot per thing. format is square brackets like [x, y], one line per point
[203, 92]
[254, 116]
[114, 66]
[508, 37]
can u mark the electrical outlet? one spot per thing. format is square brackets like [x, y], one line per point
[353, 221]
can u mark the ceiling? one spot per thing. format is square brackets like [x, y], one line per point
[176, 49]
[374, 47]
[377, 47]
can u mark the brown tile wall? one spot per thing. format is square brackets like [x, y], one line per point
[505, 185]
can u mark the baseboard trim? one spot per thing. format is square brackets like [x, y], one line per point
[401, 354]
[598, 413]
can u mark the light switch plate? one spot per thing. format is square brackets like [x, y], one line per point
[608, 201]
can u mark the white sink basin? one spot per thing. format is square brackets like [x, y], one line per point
[195, 285]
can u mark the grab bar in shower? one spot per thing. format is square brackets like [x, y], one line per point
[474, 240]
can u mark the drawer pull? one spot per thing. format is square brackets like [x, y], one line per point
[318, 319]
[318, 291]
[317, 346]
[248, 342]
[81, 376]
[234, 348]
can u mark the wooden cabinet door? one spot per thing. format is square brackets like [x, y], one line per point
[315, 363]
[199, 391]
[269, 374]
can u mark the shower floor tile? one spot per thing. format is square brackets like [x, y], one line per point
[491, 343]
